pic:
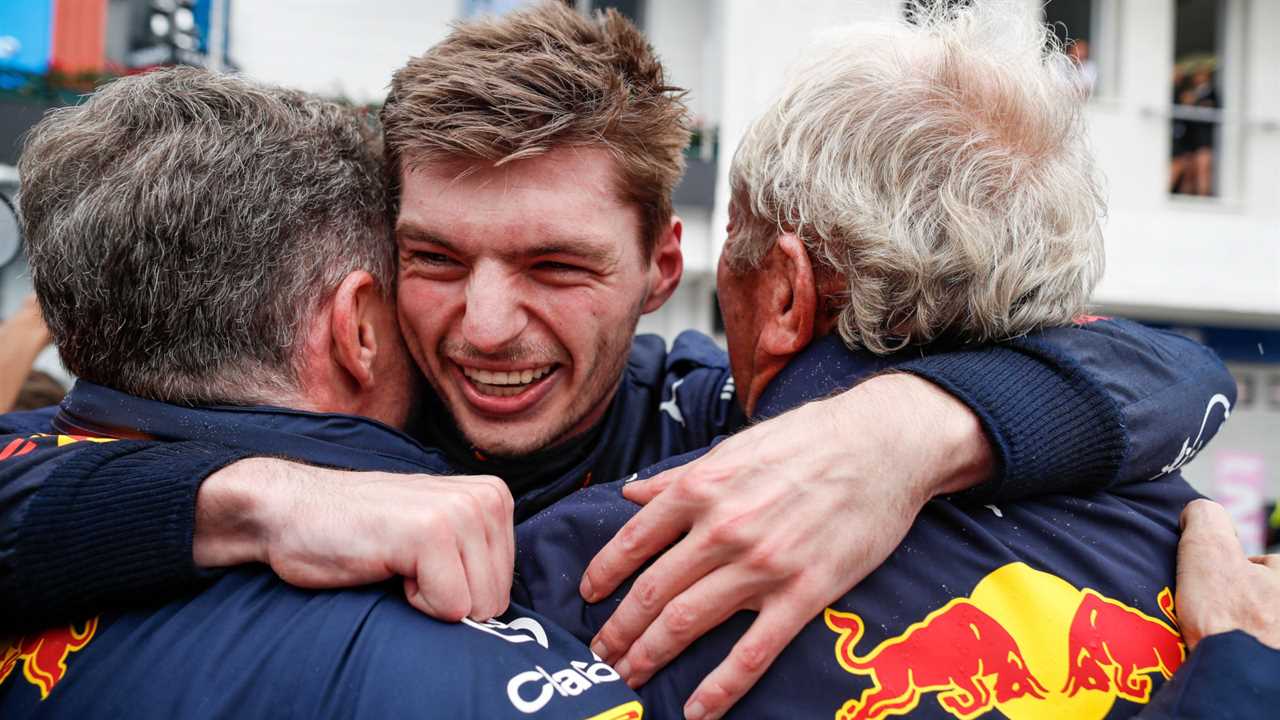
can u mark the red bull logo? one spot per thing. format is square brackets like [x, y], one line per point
[18, 447]
[44, 655]
[1024, 643]
[975, 663]
[1107, 635]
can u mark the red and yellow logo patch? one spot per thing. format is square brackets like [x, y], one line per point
[44, 655]
[1024, 642]
[18, 447]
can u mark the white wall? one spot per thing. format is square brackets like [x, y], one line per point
[1188, 258]
[680, 32]
[335, 47]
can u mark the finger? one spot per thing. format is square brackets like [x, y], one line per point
[653, 528]
[642, 492]
[474, 543]
[1209, 543]
[672, 573]
[689, 616]
[500, 547]
[1271, 562]
[750, 657]
[508, 569]
[441, 582]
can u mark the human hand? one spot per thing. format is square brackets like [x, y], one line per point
[1219, 589]
[782, 519]
[451, 538]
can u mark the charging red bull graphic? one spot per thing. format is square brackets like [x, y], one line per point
[1107, 635]
[970, 660]
[44, 655]
[1024, 644]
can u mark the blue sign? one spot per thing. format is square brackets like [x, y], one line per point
[26, 35]
[203, 11]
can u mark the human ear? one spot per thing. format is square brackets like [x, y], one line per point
[354, 326]
[790, 297]
[666, 265]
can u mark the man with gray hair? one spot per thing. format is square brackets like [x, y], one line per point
[214, 261]
[914, 188]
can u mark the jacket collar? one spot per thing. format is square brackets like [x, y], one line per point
[331, 439]
[823, 368]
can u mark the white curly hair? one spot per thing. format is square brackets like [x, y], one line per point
[939, 168]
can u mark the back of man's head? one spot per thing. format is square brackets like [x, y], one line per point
[501, 89]
[940, 169]
[180, 225]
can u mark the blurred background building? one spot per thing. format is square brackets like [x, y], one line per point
[1184, 110]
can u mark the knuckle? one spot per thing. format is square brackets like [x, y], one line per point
[715, 693]
[629, 539]
[431, 526]
[642, 658]
[494, 503]
[647, 593]
[728, 533]
[689, 490]
[752, 657]
[765, 561]
[680, 617]
[449, 607]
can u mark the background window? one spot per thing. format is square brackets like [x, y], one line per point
[1197, 98]
[1073, 22]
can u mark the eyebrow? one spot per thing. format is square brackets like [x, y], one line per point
[420, 234]
[571, 247]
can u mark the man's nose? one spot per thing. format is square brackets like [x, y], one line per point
[495, 314]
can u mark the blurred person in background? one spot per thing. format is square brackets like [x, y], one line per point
[23, 335]
[1078, 51]
[1180, 153]
[1196, 148]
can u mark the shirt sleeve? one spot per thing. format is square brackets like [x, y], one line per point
[88, 525]
[1087, 407]
[1230, 675]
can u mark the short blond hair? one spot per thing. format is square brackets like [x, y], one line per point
[502, 89]
[941, 169]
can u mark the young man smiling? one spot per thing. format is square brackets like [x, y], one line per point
[518, 300]
[532, 159]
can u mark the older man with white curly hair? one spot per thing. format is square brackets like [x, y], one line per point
[916, 187]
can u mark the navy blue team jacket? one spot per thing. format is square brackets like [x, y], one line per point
[249, 645]
[1057, 606]
[1068, 409]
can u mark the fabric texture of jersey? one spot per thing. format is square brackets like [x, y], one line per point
[249, 645]
[1055, 606]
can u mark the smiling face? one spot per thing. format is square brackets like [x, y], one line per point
[519, 291]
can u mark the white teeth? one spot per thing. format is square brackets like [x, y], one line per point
[504, 384]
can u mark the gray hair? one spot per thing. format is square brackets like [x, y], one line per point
[181, 226]
[940, 169]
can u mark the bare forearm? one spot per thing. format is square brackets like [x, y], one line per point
[230, 509]
[451, 538]
[22, 337]
[909, 416]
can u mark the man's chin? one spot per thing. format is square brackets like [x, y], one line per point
[503, 446]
